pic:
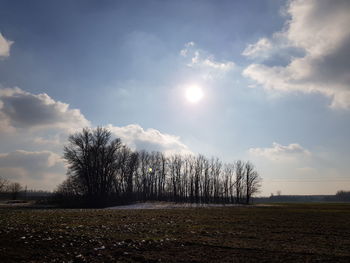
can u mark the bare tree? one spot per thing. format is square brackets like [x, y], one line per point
[3, 184]
[252, 181]
[131, 173]
[197, 177]
[102, 169]
[92, 157]
[71, 187]
[228, 183]
[239, 184]
[217, 185]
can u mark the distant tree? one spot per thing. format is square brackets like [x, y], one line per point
[3, 184]
[343, 195]
[14, 189]
[70, 192]
[199, 163]
[252, 181]
[71, 187]
[92, 157]
[228, 183]
[131, 168]
[239, 181]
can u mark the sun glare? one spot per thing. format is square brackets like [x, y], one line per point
[194, 94]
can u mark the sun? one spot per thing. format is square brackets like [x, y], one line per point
[194, 94]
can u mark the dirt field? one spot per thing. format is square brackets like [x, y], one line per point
[283, 233]
[169, 205]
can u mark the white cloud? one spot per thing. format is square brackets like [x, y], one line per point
[279, 152]
[5, 46]
[224, 66]
[151, 139]
[200, 59]
[21, 109]
[321, 29]
[258, 49]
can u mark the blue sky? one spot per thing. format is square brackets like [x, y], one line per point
[274, 74]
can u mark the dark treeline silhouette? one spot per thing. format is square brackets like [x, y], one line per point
[343, 196]
[9, 190]
[340, 196]
[102, 171]
[15, 191]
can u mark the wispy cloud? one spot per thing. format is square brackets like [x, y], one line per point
[260, 48]
[199, 59]
[280, 152]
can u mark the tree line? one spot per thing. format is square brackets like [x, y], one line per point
[10, 189]
[103, 170]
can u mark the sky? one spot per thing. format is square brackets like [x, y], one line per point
[274, 78]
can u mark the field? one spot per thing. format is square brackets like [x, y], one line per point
[279, 233]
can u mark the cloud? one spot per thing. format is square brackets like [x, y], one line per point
[151, 139]
[30, 160]
[320, 29]
[52, 140]
[5, 46]
[200, 59]
[43, 169]
[224, 66]
[275, 50]
[21, 109]
[279, 152]
[40, 125]
[184, 52]
[258, 49]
